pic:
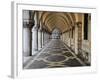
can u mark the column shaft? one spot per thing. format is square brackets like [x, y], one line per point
[42, 38]
[39, 39]
[76, 40]
[34, 40]
[26, 42]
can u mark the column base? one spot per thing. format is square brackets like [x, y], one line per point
[39, 48]
[34, 52]
[26, 53]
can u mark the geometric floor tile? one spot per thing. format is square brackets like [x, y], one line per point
[54, 55]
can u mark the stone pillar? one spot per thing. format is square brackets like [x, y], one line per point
[35, 33]
[78, 38]
[39, 39]
[69, 40]
[74, 37]
[42, 39]
[27, 34]
[26, 41]
[48, 37]
[34, 40]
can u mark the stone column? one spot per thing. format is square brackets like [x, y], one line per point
[26, 41]
[45, 37]
[69, 40]
[34, 40]
[39, 39]
[74, 37]
[27, 34]
[78, 38]
[48, 37]
[42, 39]
[35, 33]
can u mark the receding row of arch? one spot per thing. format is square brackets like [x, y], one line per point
[41, 24]
[61, 20]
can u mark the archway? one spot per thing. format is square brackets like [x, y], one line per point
[56, 33]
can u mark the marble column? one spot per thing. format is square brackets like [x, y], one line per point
[26, 41]
[39, 39]
[48, 37]
[42, 39]
[35, 33]
[34, 40]
[78, 37]
[27, 38]
[74, 38]
[69, 38]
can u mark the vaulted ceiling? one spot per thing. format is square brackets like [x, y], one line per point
[61, 20]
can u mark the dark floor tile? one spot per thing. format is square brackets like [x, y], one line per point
[43, 55]
[56, 58]
[55, 52]
[68, 54]
[38, 64]
[72, 62]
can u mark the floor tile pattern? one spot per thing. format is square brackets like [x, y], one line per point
[55, 54]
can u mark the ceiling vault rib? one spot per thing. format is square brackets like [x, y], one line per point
[61, 20]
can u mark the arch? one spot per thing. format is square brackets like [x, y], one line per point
[55, 33]
[67, 19]
[52, 18]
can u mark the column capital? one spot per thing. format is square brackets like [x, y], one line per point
[31, 23]
[38, 25]
[35, 28]
[40, 29]
[79, 24]
[28, 24]
[25, 25]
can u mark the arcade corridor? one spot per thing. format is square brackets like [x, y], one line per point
[56, 39]
[55, 54]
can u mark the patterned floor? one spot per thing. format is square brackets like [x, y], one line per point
[55, 54]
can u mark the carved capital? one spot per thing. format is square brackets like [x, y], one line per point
[25, 25]
[31, 23]
[40, 29]
[35, 28]
[79, 24]
[28, 24]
